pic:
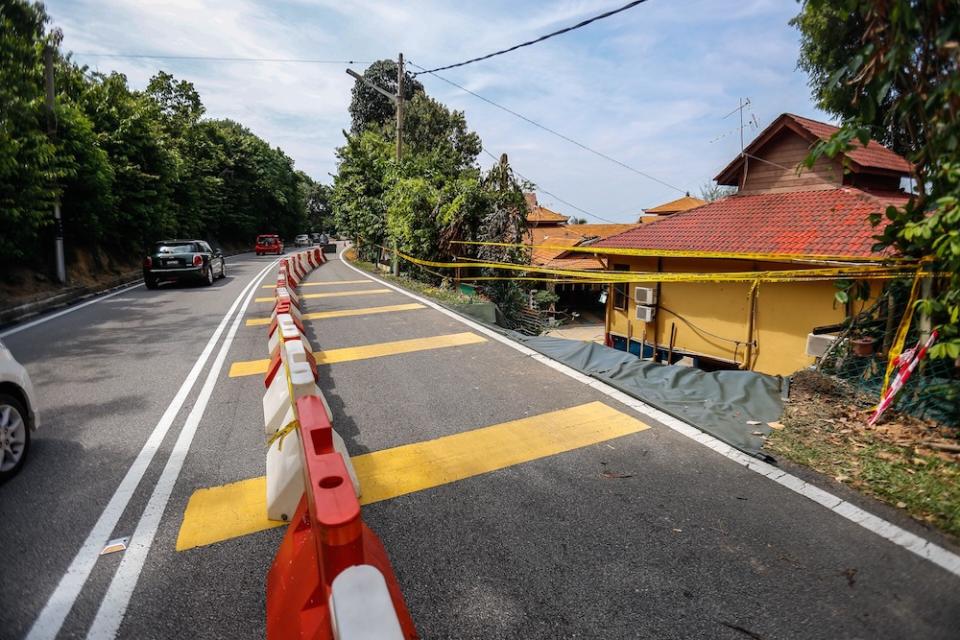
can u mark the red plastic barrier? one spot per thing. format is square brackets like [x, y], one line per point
[326, 536]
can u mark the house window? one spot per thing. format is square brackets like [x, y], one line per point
[620, 295]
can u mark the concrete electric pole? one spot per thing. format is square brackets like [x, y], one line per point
[397, 98]
[52, 131]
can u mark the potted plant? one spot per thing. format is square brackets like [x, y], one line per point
[862, 344]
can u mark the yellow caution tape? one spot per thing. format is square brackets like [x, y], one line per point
[789, 275]
[897, 348]
[672, 253]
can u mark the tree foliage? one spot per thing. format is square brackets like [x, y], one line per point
[128, 166]
[434, 196]
[892, 70]
[368, 107]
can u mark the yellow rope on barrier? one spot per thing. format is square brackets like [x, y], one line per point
[282, 433]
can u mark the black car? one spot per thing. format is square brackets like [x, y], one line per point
[182, 260]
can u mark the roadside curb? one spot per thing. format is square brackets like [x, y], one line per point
[12, 316]
[19, 313]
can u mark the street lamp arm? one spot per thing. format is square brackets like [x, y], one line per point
[392, 96]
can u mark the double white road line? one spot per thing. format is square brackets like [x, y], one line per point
[114, 604]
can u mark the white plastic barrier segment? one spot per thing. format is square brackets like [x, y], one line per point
[284, 477]
[288, 330]
[360, 606]
[277, 410]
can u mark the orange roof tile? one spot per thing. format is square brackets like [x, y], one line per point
[685, 203]
[798, 223]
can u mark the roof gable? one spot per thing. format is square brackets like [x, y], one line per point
[872, 158]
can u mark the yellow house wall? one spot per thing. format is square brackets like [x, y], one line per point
[712, 315]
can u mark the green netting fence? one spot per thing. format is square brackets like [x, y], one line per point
[859, 357]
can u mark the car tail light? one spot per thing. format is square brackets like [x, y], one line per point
[147, 262]
[197, 261]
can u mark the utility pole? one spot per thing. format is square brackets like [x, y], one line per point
[395, 263]
[52, 131]
[397, 98]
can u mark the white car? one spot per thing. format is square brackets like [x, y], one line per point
[302, 240]
[18, 413]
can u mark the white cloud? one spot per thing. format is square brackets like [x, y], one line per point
[648, 86]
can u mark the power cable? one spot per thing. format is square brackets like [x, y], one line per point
[552, 195]
[216, 58]
[556, 133]
[584, 23]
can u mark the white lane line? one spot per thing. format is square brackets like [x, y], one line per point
[20, 327]
[115, 602]
[51, 618]
[911, 542]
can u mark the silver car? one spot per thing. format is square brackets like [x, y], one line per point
[18, 413]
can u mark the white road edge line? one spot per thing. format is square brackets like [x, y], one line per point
[52, 316]
[114, 605]
[911, 542]
[61, 601]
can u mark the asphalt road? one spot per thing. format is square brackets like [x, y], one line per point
[648, 535]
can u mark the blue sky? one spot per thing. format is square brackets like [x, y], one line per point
[649, 86]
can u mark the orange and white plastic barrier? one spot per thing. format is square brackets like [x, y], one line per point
[331, 578]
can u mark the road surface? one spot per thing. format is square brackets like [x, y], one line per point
[611, 526]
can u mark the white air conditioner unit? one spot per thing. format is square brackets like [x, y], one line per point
[645, 295]
[817, 345]
[646, 314]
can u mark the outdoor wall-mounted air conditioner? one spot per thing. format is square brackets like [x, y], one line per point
[817, 345]
[646, 314]
[645, 295]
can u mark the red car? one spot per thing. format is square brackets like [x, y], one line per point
[268, 243]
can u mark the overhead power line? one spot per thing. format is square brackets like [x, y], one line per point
[552, 131]
[584, 23]
[150, 56]
[552, 195]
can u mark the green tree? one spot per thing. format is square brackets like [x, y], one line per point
[358, 190]
[28, 172]
[901, 75]
[369, 107]
[505, 222]
[319, 206]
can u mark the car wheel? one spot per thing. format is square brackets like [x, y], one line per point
[14, 435]
[209, 276]
[258, 253]
[150, 282]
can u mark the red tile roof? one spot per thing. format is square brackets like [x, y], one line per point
[874, 155]
[831, 222]
[569, 236]
[540, 214]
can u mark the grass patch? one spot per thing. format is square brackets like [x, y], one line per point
[897, 461]
[442, 295]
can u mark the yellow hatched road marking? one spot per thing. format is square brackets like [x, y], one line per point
[344, 313]
[346, 354]
[332, 294]
[229, 511]
[321, 284]
[342, 294]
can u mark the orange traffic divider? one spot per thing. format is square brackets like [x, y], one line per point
[328, 539]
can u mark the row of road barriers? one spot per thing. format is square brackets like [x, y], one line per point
[331, 577]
